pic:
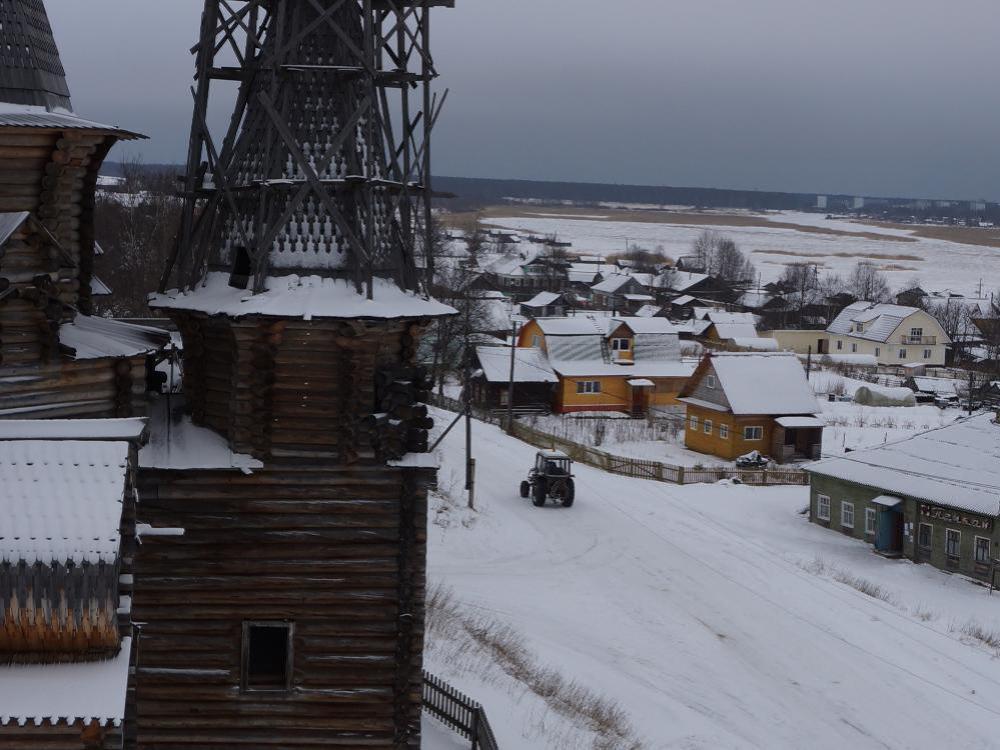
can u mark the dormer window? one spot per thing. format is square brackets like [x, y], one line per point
[711, 382]
[621, 345]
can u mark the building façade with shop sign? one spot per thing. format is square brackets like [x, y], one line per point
[933, 498]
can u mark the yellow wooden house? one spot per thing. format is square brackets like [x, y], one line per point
[738, 402]
[621, 364]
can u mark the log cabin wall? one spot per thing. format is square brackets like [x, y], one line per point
[325, 537]
[61, 736]
[79, 389]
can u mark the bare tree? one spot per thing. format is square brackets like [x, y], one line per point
[868, 283]
[720, 257]
[448, 336]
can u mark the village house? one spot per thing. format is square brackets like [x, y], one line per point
[545, 305]
[624, 364]
[738, 402]
[614, 292]
[522, 278]
[930, 498]
[893, 334]
[534, 381]
[734, 330]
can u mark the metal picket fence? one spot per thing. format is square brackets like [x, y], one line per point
[458, 712]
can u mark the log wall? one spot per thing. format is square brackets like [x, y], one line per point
[61, 736]
[325, 536]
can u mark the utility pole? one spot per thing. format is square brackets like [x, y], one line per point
[470, 462]
[809, 362]
[510, 383]
[972, 376]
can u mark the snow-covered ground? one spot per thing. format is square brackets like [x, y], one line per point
[939, 264]
[715, 615]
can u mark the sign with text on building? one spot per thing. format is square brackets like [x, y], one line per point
[950, 515]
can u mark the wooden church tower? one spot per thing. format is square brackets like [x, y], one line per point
[287, 610]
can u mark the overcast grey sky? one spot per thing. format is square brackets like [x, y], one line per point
[878, 97]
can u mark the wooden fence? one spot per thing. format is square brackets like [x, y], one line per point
[634, 467]
[458, 712]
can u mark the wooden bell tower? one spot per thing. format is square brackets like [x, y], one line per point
[289, 612]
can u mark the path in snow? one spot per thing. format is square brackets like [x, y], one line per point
[702, 626]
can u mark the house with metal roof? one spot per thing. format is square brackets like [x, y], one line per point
[932, 498]
[893, 334]
[627, 364]
[738, 402]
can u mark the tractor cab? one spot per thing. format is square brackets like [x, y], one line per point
[550, 477]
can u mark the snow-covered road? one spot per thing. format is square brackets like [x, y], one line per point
[687, 607]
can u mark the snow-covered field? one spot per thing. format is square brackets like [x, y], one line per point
[715, 615]
[938, 263]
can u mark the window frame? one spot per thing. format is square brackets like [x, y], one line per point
[927, 353]
[916, 333]
[840, 344]
[854, 348]
[871, 515]
[947, 544]
[878, 351]
[747, 433]
[930, 536]
[245, 655]
[588, 387]
[723, 430]
[821, 501]
[711, 382]
[975, 549]
[706, 426]
[844, 505]
[693, 422]
[617, 344]
[902, 354]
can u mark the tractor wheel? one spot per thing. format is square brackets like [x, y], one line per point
[569, 493]
[538, 493]
[525, 489]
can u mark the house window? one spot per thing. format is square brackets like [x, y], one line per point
[869, 520]
[982, 549]
[620, 345]
[724, 431]
[916, 333]
[952, 543]
[708, 426]
[927, 353]
[588, 386]
[878, 351]
[267, 656]
[710, 381]
[902, 353]
[753, 433]
[924, 536]
[823, 507]
[854, 348]
[840, 344]
[536, 341]
[694, 423]
[847, 514]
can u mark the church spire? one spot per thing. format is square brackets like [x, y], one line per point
[31, 72]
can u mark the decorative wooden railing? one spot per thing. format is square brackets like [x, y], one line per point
[634, 467]
[458, 712]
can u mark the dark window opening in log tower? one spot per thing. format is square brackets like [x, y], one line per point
[239, 277]
[267, 652]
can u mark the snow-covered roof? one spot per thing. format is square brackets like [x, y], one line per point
[639, 324]
[572, 326]
[764, 383]
[612, 283]
[98, 288]
[72, 429]
[639, 297]
[879, 320]
[755, 298]
[694, 326]
[10, 222]
[648, 311]
[935, 385]
[31, 694]
[33, 116]
[61, 500]
[684, 299]
[305, 297]
[792, 422]
[542, 299]
[681, 281]
[530, 365]
[176, 443]
[93, 337]
[957, 465]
